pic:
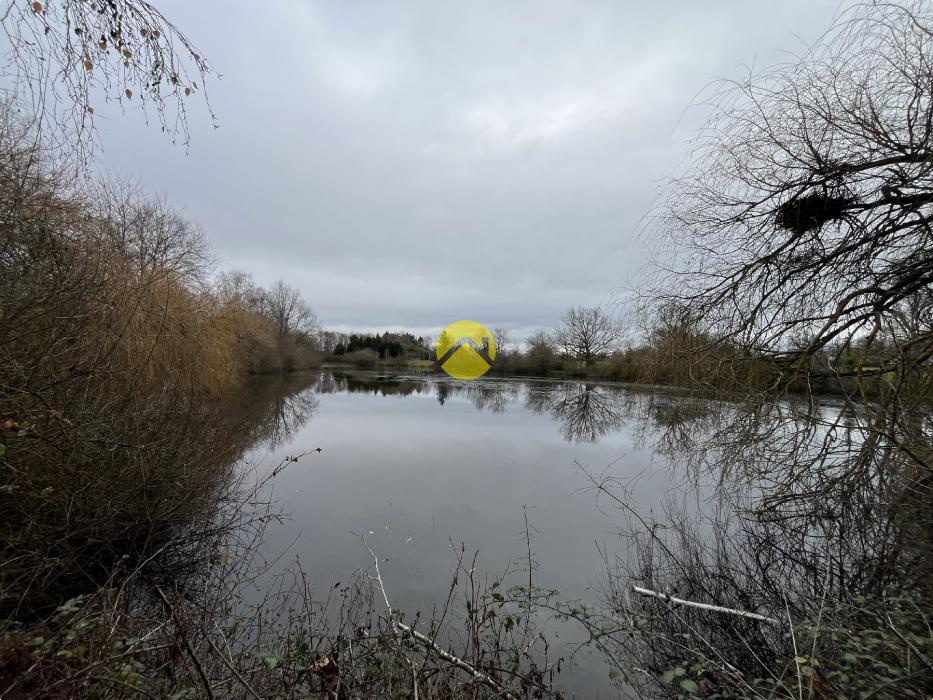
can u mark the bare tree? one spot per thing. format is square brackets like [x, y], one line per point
[807, 210]
[328, 341]
[150, 233]
[290, 313]
[238, 288]
[802, 237]
[541, 342]
[541, 351]
[500, 337]
[586, 333]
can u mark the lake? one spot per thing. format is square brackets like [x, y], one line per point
[420, 464]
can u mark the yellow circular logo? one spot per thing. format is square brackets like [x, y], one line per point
[465, 350]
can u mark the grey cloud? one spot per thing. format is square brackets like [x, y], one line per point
[406, 164]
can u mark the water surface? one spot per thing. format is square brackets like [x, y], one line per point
[420, 464]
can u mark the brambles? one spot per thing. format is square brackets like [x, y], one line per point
[197, 632]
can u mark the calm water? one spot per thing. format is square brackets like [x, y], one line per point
[415, 463]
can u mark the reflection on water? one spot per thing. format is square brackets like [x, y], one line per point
[417, 463]
[585, 412]
[791, 509]
[815, 521]
[286, 403]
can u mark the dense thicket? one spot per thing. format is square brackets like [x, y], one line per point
[112, 345]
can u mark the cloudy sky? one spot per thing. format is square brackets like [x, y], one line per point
[407, 164]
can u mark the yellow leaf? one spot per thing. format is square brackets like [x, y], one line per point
[87, 64]
[800, 659]
[37, 6]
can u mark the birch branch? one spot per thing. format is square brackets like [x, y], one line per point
[705, 606]
[477, 675]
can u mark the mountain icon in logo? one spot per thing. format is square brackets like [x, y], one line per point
[465, 350]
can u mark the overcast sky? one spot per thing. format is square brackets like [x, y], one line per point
[407, 164]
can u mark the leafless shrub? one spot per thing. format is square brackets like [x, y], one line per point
[112, 351]
[194, 628]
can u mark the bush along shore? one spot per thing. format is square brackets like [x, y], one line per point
[115, 348]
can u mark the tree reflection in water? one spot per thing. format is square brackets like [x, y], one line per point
[281, 406]
[803, 514]
[811, 520]
[586, 412]
[808, 512]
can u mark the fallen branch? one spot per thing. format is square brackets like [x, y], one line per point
[477, 675]
[705, 606]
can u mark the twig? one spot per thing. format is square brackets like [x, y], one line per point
[232, 668]
[184, 638]
[478, 675]
[793, 639]
[705, 606]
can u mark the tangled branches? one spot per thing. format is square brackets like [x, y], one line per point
[802, 231]
[68, 57]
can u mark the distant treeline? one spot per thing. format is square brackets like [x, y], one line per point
[589, 343]
[669, 347]
[370, 347]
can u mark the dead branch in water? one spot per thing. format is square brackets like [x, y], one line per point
[705, 606]
[432, 646]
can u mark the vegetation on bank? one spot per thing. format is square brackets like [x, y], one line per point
[113, 343]
[671, 351]
[806, 218]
